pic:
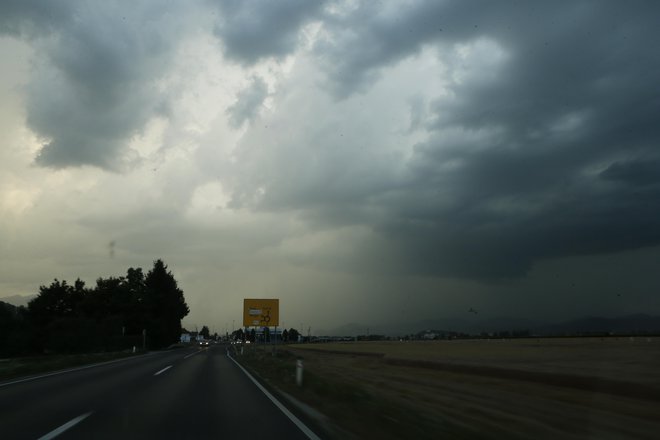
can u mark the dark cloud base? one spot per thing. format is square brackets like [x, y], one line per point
[550, 151]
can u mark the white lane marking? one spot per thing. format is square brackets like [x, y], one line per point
[68, 425]
[308, 432]
[163, 370]
[191, 354]
[71, 370]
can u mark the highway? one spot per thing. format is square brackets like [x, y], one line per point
[182, 394]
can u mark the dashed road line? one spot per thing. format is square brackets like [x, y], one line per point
[163, 370]
[68, 425]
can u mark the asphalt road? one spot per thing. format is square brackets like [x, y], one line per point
[181, 394]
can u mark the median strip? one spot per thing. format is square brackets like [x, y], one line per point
[68, 425]
[163, 370]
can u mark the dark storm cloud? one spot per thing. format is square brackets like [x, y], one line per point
[532, 157]
[252, 30]
[32, 17]
[576, 95]
[361, 41]
[643, 173]
[543, 142]
[94, 81]
[248, 102]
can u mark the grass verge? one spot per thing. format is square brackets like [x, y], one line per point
[350, 406]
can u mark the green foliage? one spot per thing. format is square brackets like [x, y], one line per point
[293, 335]
[67, 318]
[165, 306]
[14, 330]
[238, 335]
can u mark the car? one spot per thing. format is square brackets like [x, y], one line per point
[204, 343]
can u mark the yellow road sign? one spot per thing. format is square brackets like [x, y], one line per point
[261, 312]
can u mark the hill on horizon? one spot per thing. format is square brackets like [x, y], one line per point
[18, 300]
[626, 324]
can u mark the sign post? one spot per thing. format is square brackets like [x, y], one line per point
[263, 313]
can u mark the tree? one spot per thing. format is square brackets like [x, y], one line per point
[285, 335]
[134, 303]
[165, 306]
[293, 335]
[58, 319]
[110, 316]
[206, 334]
[14, 330]
[57, 300]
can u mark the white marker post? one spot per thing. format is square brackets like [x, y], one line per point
[274, 341]
[299, 372]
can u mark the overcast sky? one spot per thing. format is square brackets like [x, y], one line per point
[364, 162]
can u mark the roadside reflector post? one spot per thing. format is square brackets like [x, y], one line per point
[274, 341]
[299, 372]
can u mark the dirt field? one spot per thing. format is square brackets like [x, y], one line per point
[634, 359]
[526, 388]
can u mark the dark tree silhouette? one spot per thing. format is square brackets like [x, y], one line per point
[57, 319]
[293, 335]
[165, 305]
[14, 330]
[110, 316]
[206, 334]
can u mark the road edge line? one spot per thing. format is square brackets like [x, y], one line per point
[296, 421]
[71, 370]
[68, 425]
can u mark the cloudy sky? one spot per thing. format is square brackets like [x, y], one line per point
[367, 162]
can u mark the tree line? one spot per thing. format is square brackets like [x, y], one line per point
[290, 335]
[116, 314]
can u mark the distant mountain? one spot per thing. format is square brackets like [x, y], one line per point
[351, 329]
[461, 325]
[637, 323]
[18, 300]
[6, 306]
[473, 325]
